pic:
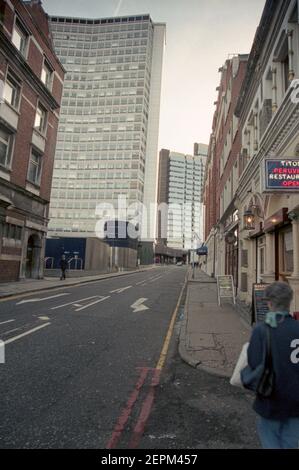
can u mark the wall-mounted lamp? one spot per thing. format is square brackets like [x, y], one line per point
[249, 219]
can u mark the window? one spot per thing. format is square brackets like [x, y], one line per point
[6, 144]
[46, 76]
[19, 37]
[40, 119]
[12, 91]
[34, 170]
[11, 231]
[287, 251]
[286, 72]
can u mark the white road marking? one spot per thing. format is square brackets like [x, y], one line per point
[74, 302]
[138, 283]
[122, 289]
[93, 303]
[40, 300]
[44, 318]
[10, 331]
[7, 321]
[156, 278]
[138, 305]
[15, 338]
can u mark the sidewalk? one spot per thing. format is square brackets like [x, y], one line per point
[211, 337]
[28, 286]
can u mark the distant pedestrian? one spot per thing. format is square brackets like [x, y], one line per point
[63, 267]
[278, 420]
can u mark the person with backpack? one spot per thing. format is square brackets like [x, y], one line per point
[278, 413]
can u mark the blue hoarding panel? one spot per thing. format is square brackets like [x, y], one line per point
[70, 247]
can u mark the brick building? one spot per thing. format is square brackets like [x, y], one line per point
[31, 82]
[222, 173]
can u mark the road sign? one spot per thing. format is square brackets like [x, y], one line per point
[226, 289]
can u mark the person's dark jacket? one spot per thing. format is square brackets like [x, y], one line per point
[63, 264]
[284, 402]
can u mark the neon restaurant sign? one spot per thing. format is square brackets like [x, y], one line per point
[282, 175]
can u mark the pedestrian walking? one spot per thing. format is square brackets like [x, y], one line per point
[278, 414]
[63, 267]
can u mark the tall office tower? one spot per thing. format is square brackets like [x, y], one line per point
[201, 150]
[108, 135]
[179, 186]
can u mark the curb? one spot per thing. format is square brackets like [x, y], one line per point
[65, 286]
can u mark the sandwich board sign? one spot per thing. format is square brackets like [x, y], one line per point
[259, 302]
[226, 288]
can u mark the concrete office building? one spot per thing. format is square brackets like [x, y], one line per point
[180, 183]
[108, 135]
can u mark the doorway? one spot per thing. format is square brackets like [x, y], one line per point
[33, 257]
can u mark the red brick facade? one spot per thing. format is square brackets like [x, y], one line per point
[23, 201]
[231, 81]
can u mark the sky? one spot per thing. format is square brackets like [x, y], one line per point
[200, 36]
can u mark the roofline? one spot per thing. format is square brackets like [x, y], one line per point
[257, 46]
[80, 18]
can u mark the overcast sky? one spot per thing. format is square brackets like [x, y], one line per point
[200, 35]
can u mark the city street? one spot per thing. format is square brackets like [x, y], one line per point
[83, 371]
[80, 362]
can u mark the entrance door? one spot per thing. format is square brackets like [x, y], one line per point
[231, 259]
[29, 256]
[33, 257]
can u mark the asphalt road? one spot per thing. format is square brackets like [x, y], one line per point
[81, 363]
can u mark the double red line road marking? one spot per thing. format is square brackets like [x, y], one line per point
[144, 413]
[147, 404]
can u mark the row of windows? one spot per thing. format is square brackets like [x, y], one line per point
[123, 98]
[93, 85]
[128, 102]
[65, 156]
[6, 151]
[76, 77]
[105, 128]
[73, 112]
[98, 29]
[114, 83]
[11, 231]
[98, 166]
[102, 44]
[97, 196]
[61, 181]
[103, 101]
[100, 37]
[123, 143]
[89, 140]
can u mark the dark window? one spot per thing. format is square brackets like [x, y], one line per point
[6, 145]
[34, 169]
